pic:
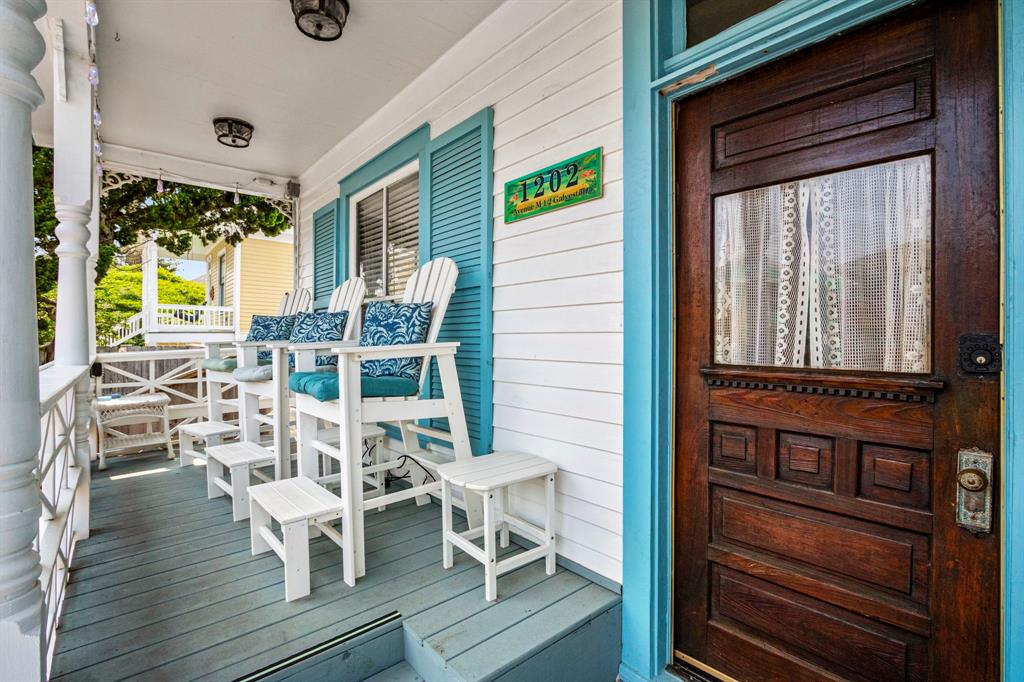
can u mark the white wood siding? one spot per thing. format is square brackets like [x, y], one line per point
[552, 71]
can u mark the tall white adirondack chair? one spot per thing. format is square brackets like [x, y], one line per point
[215, 428]
[295, 302]
[346, 297]
[292, 303]
[299, 503]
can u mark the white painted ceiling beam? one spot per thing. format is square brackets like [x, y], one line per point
[191, 171]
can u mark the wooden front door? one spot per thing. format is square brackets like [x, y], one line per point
[837, 237]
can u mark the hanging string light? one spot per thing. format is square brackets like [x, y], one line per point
[160, 183]
[237, 198]
[92, 17]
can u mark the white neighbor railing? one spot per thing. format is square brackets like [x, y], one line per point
[169, 317]
[126, 330]
[63, 451]
[207, 317]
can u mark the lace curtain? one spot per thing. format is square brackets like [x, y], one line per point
[831, 272]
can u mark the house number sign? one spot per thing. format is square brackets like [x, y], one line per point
[570, 182]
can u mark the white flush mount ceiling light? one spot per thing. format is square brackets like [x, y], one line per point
[232, 132]
[320, 19]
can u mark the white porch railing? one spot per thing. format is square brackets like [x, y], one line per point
[63, 451]
[207, 317]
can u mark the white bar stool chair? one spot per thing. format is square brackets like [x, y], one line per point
[490, 476]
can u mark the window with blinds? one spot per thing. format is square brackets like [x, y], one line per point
[387, 237]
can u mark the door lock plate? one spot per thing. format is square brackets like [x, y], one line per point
[981, 354]
[974, 490]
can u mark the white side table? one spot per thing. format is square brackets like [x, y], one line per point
[134, 409]
[490, 476]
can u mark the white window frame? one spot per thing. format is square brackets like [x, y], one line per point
[353, 234]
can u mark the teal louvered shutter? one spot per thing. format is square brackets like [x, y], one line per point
[325, 221]
[456, 221]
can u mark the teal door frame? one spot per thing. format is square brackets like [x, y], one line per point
[1013, 338]
[657, 72]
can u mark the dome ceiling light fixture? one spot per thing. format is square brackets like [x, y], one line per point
[232, 132]
[320, 19]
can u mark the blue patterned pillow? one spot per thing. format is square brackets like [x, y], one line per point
[270, 328]
[392, 324]
[314, 327]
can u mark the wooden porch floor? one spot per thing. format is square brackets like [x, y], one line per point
[166, 589]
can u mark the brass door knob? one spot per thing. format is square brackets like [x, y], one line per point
[972, 480]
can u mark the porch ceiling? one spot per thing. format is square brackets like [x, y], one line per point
[168, 68]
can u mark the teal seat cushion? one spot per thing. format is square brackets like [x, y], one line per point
[388, 387]
[220, 364]
[260, 372]
[324, 386]
[227, 364]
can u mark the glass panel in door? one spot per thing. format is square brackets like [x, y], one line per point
[831, 272]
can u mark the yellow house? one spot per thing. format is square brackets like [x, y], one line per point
[250, 277]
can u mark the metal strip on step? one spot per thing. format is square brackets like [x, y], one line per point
[283, 664]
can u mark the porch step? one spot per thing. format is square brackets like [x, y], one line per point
[400, 672]
[361, 654]
[543, 627]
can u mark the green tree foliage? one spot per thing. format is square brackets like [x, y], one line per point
[132, 211]
[182, 212]
[119, 295]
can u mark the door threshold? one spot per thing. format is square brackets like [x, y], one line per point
[689, 668]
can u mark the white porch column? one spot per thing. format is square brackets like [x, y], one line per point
[21, 48]
[90, 267]
[71, 339]
[73, 181]
[73, 176]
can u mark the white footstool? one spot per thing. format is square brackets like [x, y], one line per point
[303, 509]
[490, 476]
[241, 460]
[208, 432]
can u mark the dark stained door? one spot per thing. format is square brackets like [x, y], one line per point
[837, 234]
